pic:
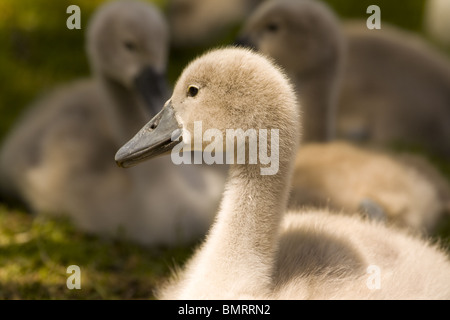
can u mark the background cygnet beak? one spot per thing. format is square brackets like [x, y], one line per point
[153, 88]
[244, 41]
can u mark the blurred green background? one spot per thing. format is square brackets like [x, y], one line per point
[37, 53]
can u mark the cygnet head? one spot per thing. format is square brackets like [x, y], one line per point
[127, 42]
[231, 88]
[303, 36]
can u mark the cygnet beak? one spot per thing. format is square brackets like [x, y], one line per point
[156, 138]
[153, 88]
[244, 41]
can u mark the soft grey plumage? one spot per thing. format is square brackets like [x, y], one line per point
[396, 89]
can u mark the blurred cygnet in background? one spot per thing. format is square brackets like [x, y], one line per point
[200, 22]
[403, 190]
[396, 89]
[59, 159]
[437, 21]
[305, 38]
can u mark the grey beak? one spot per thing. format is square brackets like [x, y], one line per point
[245, 42]
[153, 89]
[157, 137]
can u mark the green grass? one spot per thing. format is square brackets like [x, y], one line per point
[37, 53]
[36, 251]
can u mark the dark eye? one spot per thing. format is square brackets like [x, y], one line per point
[272, 27]
[131, 46]
[192, 91]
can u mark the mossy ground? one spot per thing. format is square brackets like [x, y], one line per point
[37, 53]
[35, 253]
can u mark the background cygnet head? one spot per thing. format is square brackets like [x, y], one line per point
[127, 44]
[303, 37]
[225, 89]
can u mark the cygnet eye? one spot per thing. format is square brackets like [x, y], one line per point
[131, 46]
[272, 27]
[192, 91]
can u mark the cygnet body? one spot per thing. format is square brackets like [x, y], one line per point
[254, 250]
[395, 90]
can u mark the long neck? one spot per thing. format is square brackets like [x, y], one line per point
[237, 259]
[125, 109]
[317, 91]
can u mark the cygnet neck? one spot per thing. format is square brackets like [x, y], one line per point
[244, 238]
[128, 114]
[317, 91]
